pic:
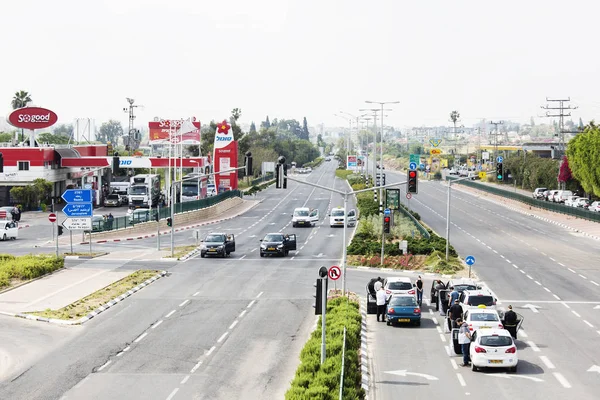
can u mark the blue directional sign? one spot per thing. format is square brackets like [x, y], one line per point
[78, 210]
[77, 196]
[499, 159]
[422, 166]
[470, 260]
[387, 211]
[412, 165]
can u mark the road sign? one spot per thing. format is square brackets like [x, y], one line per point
[52, 217]
[435, 152]
[412, 165]
[387, 211]
[499, 159]
[414, 158]
[470, 260]
[421, 167]
[78, 210]
[392, 198]
[334, 273]
[78, 224]
[435, 142]
[77, 196]
[408, 196]
[482, 175]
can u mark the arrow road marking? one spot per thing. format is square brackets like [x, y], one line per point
[532, 378]
[597, 307]
[532, 307]
[403, 372]
[594, 368]
[319, 255]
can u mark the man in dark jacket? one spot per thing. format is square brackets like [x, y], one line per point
[455, 312]
[511, 321]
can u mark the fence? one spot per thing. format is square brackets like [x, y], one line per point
[547, 205]
[103, 224]
[262, 179]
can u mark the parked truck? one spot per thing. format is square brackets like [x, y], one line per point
[144, 191]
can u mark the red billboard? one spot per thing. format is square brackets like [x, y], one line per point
[32, 118]
[225, 157]
[162, 130]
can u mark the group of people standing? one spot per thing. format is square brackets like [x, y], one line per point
[382, 297]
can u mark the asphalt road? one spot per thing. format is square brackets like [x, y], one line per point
[214, 328]
[546, 272]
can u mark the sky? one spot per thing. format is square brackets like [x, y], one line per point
[301, 58]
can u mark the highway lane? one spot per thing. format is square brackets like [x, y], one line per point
[207, 295]
[560, 322]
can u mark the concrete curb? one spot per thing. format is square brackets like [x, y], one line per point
[94, 313]
[364, 354]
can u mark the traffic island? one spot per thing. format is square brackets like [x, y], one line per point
[16, 271]
[90, 306]
[181, 252]
[83, 256]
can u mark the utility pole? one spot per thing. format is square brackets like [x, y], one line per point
[132, 139]
[561, 123]
[496, 140]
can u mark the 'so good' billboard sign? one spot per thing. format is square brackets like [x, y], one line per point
[32, 118]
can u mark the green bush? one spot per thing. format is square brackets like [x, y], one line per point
[342, 173]
[316, 381]
[26, 267]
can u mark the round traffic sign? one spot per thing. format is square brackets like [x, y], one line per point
[52, 217]
[334, 273]
[412, 165]
[408, 195]
[499, 159]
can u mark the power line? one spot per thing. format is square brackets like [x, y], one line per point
[496, 139]
[561, 115]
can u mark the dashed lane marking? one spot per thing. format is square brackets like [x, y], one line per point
[562, 380]
[547, 362]
[169, 314]
[173, 393]
[185, 379]
[142, 336]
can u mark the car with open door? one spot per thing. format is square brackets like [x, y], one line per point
[9, 230]
[304, 216]
[217, 244]
[337, 217]
[278, 244]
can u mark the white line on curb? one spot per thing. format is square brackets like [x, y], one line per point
[104, 366]
[223, 336]
[198, 364]
[184, 380]
[209, 352]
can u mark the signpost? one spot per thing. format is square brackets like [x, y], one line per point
[470, 260]
[392, 198]
[334, 273]
[78, 224]
[416, 158]
[80, 210]
[52, 219]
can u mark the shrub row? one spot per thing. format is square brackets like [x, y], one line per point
[367, 244]
[26, 267]
[258, 188]
[314, 164]
[316, 381]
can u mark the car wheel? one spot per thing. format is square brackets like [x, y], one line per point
[418, 323]
[473, 367]
[4, 237]
[286, 253]
[261, 254]
[293, 225]
[389, 322]
[202, 255]
[513, 369]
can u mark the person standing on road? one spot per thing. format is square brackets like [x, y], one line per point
[453, 296]
[510, 322]
[378, 284]
[454, 314]
[381, 300]
[464, 339]
[420, 291]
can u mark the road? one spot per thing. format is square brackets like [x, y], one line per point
[214, 328]
[550, 276]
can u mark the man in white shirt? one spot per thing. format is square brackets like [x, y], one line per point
[381, 300]
[378, 284]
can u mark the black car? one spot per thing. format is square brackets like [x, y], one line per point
[278, 244]
[217, 244]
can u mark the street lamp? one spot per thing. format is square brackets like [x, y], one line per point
[382, 103]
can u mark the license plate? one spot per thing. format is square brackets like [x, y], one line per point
[495, 361]
[404, 320]
[485, 327]
[212, 249]
[271, 248]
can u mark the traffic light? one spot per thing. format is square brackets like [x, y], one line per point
[387, 222]
[60, 230]
[248, 164]
[116, 163]
[499, 171]
[319, 296]
[169, 221]
[281, 173]
[413, 181]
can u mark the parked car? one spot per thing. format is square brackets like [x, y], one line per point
[550, 195]
[562, 195]
[97, 223]
[138, 215]
[399, 285]
[482, 318]
[571, 201]
[113, 200]
[538, 193]
[403, 308]
[493, 348]
[595, 206]
[582, 202]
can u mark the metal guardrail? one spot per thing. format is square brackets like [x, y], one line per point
[262, 179]
[546, 205]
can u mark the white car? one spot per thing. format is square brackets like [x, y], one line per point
[211, 190]
[482, 318]
[337, 218]
[9, 230]
[595, 206]
[493, 348]
[399, 285]
[571, 201]
[582, 202]
[304, 216]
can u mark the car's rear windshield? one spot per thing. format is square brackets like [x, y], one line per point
[215, 238]
[496, 341]
[399, 286]
[403, 301]
[479, 300]
[461, 288]
[273, 238]
[337, 213]
[484, 317]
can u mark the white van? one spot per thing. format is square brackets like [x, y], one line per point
[337, 218]
[9, 230]
[304, 216]
[562, 196]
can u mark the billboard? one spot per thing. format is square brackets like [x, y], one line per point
[177, 130]
[225, 157]
[351, 163]
[32, 118]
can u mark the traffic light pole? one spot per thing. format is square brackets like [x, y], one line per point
[56, 227]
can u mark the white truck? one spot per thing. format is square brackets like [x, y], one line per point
[144, 191]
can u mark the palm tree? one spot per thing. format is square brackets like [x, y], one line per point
[19, 101]
[454, 116]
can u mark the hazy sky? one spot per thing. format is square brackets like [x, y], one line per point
[296, 58]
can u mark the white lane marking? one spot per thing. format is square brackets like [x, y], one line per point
[252, 250]
[530, 277]
[573, 271]
[538, 283]
[598, 332]
[595, 283]
[533, 346]
[184, 303]
[522, 333]
[495, 251]
[169, 314]
[522, 271]
[552, 259]
[439, 329]
[566, 305]
[104, 366]
[242, 257]
[184, 380]
[242, 314]
[81, 382]
[547, 290]
[544, 254]
[292, 257]
[515, 265]
[157, 324]
[173, 393]
[258, 295]
[443, 338]
[502, 256]
[582, 276]
[556, 297]
[454, 364]
[139, 339]
[250, 304]
[548, 363]
[461, 380]
[561, 264]
[430, 311]
[575, 313]
[588, 324]
[508, 261]
[210, 351]
[126, 348]
[198, 364]
[223, 336]
[434, 320]
[196, 294]
[561, 379]
[233, 324]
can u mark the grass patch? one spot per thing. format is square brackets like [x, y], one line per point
[83, 307]
[85, 254]
[180, 251]
[16, 269]
[436, 262]
[343, 173]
